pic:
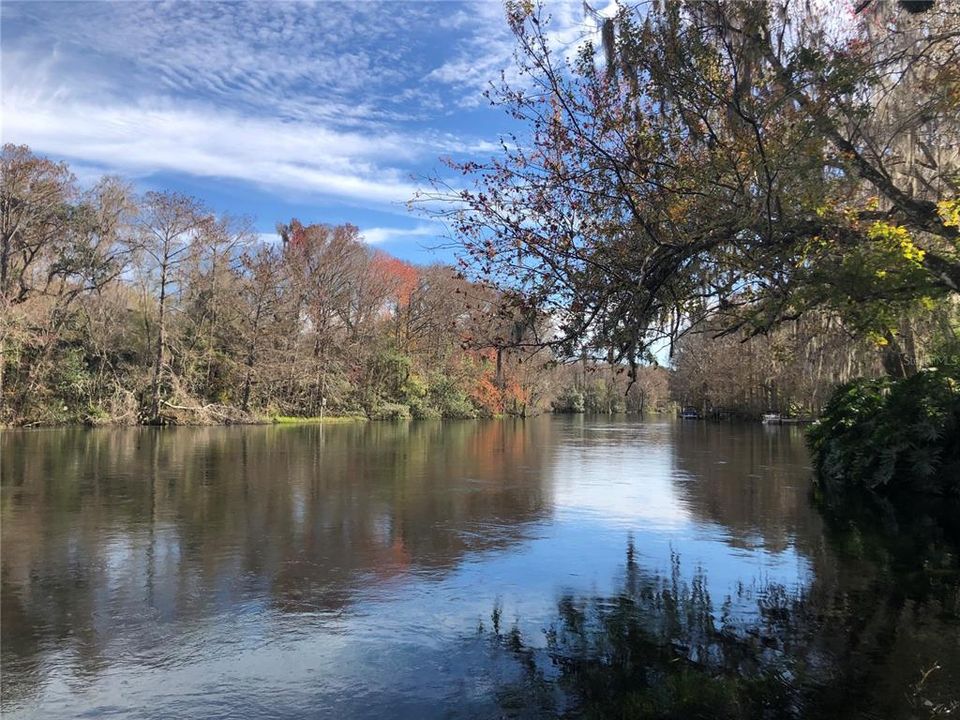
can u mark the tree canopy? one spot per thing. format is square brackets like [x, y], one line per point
[738, 160]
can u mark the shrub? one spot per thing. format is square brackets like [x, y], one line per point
[885, 437]
[570, 400]
[841, 440]
[449, 399]
[390, 411]
[420, 410]
[458, 408]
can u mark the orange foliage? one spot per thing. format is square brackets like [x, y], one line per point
[516, 394]
[485, 394]
[400, 276]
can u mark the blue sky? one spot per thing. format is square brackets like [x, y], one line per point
[329, 112]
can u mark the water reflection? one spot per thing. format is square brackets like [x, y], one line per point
[343, 571]
[110, 535]
[851, 645]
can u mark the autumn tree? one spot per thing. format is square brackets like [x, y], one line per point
[261, 294]
[59, 244]
[211, 307]
[33, 200]
[324, 262]
[717, 159]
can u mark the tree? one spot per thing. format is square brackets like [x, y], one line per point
[33, 197]
[211, 306]
[260, 295]
[168, 225]
[722, 161]
[58, 244]
[324, 262]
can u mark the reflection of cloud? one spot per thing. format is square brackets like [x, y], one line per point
[623, 484]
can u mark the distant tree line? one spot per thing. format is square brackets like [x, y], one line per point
[118, 307]
[153, 308]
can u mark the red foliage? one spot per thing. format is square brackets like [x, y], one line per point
[399, 276]
[485, 394]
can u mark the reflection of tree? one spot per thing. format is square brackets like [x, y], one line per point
[884, 580]
[869, 644]
[888, 582]
[658, 648]
[752, 480]
[112, 535]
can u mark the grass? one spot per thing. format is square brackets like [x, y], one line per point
[326, 419]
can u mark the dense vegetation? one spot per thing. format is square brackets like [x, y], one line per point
[884, 436]
[125, 308]
[733, 163]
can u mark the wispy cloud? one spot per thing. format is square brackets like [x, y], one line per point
[154, 136]
[337, 101]
[488, 48]
[376, 235]
[379, 235]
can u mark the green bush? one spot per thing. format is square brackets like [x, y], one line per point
[420, 410]
[449, 399]
[841, 440]
[888, 437]
[570, 400]
[390, 411]
[458, 407]
[601, 397]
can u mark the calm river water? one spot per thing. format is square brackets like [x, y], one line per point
[432, 570]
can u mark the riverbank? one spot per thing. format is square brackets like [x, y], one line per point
[214, 419]
[324, 420]
[209, 420]
[206, 421]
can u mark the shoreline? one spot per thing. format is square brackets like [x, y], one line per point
[280, 420]
[294, 420]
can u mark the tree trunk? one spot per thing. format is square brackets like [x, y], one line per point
[3, 365]
[251, 358]
[897, 363]
[161, 344]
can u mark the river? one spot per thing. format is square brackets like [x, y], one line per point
[420, 570]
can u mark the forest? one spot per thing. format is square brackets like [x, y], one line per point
[121, 308]
[126, 308]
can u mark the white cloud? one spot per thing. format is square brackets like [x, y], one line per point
[489, 48]
[376, 235]
[294, 60]
[155, 136]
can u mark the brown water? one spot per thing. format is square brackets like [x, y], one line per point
[371, 570]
